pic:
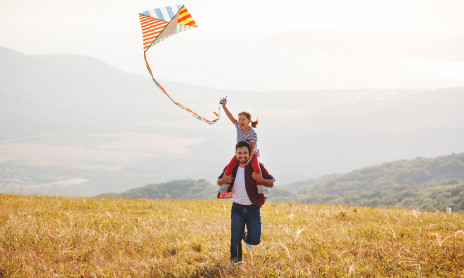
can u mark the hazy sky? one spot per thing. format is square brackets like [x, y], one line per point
[258, 45]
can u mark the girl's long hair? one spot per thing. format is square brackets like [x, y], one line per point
[248, 115]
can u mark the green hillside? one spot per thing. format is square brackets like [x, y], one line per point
[422, 183]
[176, 189]
[425, 183]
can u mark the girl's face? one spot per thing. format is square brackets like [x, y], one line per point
[243, 121]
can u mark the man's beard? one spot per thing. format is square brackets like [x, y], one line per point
[242, 160]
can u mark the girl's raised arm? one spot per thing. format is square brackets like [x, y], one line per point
[232, 119]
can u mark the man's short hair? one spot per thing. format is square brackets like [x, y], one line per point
[243, 144]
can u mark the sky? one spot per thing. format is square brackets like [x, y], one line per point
[258, 45]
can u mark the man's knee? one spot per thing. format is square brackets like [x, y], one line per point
[253, 238]
[254, 241]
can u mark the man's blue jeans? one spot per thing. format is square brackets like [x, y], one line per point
[239, 217]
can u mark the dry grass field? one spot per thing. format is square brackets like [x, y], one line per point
[90, 237]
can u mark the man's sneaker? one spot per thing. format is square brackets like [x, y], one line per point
[223, 188]
[248, 247]
[262, 189]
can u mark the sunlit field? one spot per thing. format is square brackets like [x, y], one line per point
[90, 237]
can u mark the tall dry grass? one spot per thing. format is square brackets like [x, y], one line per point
[89, 237]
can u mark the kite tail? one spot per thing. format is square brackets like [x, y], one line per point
[210, 122]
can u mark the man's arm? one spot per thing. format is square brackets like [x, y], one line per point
[264, 177]
[259, 178]
[224, 180]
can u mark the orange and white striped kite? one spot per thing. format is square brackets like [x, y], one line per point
[159, 24]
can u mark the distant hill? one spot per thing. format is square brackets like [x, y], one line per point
[425, 183]
[176, 189]
[73, 125]
[422, 183]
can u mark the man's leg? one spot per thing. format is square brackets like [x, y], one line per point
[237, 227]
[253, 224]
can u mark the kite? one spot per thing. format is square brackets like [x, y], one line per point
[159, 24]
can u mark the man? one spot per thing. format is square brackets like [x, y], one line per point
[247, 202]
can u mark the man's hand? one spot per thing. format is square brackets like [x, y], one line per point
[257, 177]
[226, 179]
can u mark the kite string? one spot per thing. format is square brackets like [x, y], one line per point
[177, 103]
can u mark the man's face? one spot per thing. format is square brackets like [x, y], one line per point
[242, 154]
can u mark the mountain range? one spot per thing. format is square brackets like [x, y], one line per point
[73, 125]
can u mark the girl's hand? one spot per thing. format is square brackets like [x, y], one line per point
[223, 101]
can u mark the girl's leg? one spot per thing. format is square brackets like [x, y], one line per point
[232, 164]
[230, 168]
[255, 164]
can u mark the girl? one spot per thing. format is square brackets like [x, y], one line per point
[245, 132]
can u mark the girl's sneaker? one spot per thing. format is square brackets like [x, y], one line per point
[262, 189]
[223, 188]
